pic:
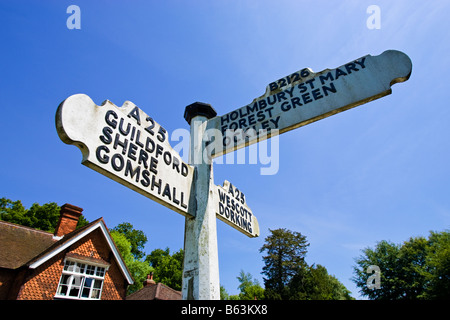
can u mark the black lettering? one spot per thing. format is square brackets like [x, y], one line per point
[156, 184]
[350, 66]
[125, 133]
[251, 120]
[133, 131]
[129, 170]
[265, 125]
[149, 142]
[331, 88]
[274, 99]
[227, 212]
[135, 114]
[145, 181]
[316, 94]
[262, 104]
[167, 158]
[221, 196]
[153, 163]
[361, 63]
[242, 123]
[117, 167]
[112, 123]
[302, 87]
[273, 86]
[143, 158]
[182, 203]
[275, 121]
[132, 151]
[106, 137]
[285, 106]
[176, 164]
[280, 96]
[149, 129]
[251, 109]
[138, 135]
[290, 91]
[102, 159]
[159, 150]
[310, 82]
[166, 192]
[184, 169]
[295, 102]
[339, 73]
[260, 116]
[224, 118]
[175, 200]
[306, 98]
[328, 76]
[117, 142]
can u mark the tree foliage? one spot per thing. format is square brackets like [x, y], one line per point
[249, 287]
[43, 217]
[168, 268]
[286, 252]
[137, 238]
[288, 276]
[138, 269]
[416, 269]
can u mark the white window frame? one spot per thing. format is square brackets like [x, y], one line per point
[75, 276]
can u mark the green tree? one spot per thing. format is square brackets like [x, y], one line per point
[314, 283]
[286, 252]
[437, 272]
[224, 294]
[137, 238]
[168, 269]
[43, 217]
[416, 269]
[138, 269]
[249, 287]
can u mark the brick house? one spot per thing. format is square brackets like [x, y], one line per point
[79, 264]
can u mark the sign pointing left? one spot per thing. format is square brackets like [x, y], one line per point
[128, 146]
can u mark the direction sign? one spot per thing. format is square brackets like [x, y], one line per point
[304, 97]
[128, 146]
[231, 207]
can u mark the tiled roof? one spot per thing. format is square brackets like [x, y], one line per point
[19, 244]
[155, 291]
[61, 242]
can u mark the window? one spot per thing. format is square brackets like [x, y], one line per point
[80, 280]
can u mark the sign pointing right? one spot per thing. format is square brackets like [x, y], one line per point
[304, 97]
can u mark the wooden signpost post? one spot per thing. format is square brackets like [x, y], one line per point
[130, 147]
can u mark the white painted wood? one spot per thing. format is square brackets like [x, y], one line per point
[231, 207]
[126, 145]
[304, 97]
[201, 261]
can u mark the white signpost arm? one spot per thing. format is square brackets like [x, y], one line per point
[201, 261]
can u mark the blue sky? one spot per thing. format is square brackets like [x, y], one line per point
[376, 172]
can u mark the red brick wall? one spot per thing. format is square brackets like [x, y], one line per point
[41, 283]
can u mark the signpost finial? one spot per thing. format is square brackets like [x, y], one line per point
[199, 109]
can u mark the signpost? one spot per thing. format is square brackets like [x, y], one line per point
[231, 207]
[304, 97]
[128, 146]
